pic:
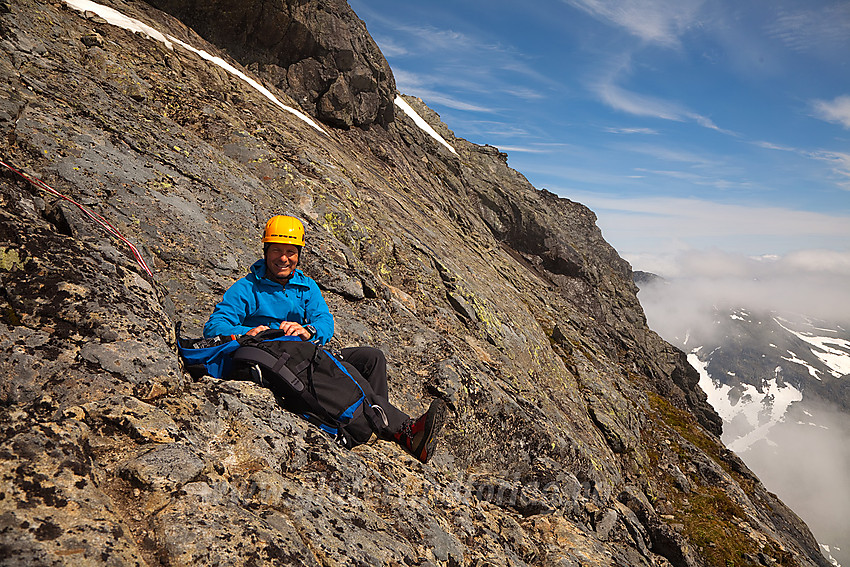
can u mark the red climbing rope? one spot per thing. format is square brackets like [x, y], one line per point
[38, 183]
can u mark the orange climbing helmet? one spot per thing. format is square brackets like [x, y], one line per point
[283, 229]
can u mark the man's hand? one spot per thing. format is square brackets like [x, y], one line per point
[291, 328]
[295, 330]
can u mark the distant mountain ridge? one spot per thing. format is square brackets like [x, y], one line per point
[771, 378]
[779, 381]
[773, 359]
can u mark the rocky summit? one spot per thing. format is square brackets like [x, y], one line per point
[144, 147]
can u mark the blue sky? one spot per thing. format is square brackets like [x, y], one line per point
[685, 125]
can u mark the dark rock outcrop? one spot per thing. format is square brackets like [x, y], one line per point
[577, 436]
[317, 51]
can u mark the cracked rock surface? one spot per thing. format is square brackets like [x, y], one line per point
[576, 435]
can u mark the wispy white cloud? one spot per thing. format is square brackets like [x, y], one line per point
[465, 54]
[655, 21]
[669, 154]
[522, 93]
[700, 180]
[813, 28]
[840, 164]
[607, 87]
[498, 129]
[701, 168]
[817, 261]
[430, 39]
[518, 64]
[836, 110]
[415, 84]
[467, 69]
[406, 81]
[772, 146]
[391, 47]
[435, 97]
[578, 176]
[702, 217]
[625, 130]
[715, 264]
[707, 122]
[536, 149]
[634, 103]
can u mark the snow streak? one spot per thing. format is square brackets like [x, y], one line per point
[833, 352]
[402, 104]
[116, 18]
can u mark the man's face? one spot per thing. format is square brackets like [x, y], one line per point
[281, 260]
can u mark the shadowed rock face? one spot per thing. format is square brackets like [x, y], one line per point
[576, 435]
[318, 51]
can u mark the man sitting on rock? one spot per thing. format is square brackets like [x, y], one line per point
[275, 294]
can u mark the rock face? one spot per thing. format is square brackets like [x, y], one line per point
[577, 436]
[317, 51]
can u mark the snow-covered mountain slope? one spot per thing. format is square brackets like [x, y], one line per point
[749, 412]
[781, 383]
[754, 366]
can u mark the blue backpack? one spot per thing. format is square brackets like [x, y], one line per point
[304, 377]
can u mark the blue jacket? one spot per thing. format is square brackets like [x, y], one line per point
[255, 300]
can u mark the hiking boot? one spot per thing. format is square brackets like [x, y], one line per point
[419, 437]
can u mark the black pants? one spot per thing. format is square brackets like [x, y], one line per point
[370, 365]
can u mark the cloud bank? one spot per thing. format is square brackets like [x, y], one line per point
[649, 231]
[814, 283]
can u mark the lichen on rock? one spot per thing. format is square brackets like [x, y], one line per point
[576, 435]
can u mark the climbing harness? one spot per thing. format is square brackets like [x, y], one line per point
[39, 184]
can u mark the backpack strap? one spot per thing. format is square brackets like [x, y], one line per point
[277, 365]
[279, 372]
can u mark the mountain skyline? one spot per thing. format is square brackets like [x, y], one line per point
[686, 126]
